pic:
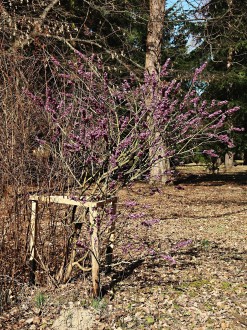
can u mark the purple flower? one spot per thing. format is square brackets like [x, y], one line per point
[144, 135]
[223, 137]
[165, 67]
[210, 153]
[64, 75]
[136, 215]
[130, 203]
[182, 244]
[152, 252]
[222, 103]
[231, 111]
[214, 114]
[40, 141]
[112, 184]
[237, 129]
[220, 123]
[55, 61]
[150, 223]
[170, 259]
[81, 245]
[199, 71]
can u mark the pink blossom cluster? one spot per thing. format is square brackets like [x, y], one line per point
[103, 130]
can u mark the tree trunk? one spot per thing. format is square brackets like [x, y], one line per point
[154, 35]
[229, 159]
[229, 156]
[152, 66]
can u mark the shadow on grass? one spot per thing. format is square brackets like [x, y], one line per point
[147, 273]
[220, 179]
[121, 275]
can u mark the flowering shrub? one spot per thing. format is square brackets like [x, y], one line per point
[100, 129]
[104, 134]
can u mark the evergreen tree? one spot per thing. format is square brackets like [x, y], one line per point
[220, 37]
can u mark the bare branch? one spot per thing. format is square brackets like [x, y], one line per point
[36, 27]
[48, 9]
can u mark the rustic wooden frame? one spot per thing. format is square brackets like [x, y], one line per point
[93, 212]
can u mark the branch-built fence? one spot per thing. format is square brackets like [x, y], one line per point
[92, 209]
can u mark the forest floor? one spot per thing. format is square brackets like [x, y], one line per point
[196, 281]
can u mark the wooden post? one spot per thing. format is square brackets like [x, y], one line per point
[33, 239]
[110, 243]
[94, 250]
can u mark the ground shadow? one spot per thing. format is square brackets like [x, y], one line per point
[118, 276]
[239, 178]
[147, 272]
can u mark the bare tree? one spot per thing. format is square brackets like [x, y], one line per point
[62, 27]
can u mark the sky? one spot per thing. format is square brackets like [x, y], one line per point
[183, 3]
[186, 5]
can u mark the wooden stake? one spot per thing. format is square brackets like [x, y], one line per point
[33, 239]
[110, 243]
[94, 251]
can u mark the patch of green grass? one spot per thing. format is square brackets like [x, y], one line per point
[199, 283]
[180, 289]
[130, 306]
[226, 285]
[176, 306]
[84, 303]
[209, 307]
[193, 294]
[40, 300]
[205, 243]
[98, 304]
[187, 286]
[150, 320]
